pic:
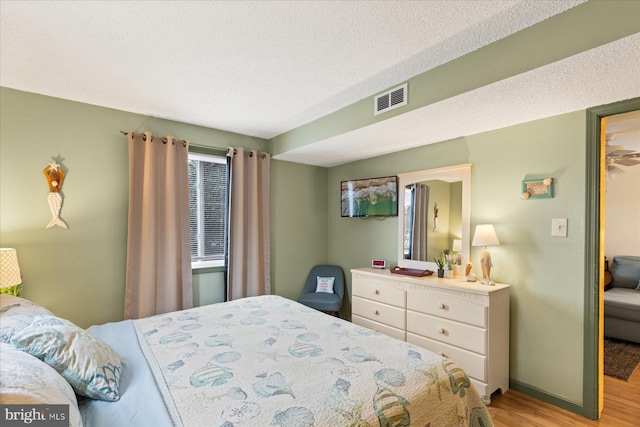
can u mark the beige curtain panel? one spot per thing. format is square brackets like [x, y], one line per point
[158, 278]
[248, 269]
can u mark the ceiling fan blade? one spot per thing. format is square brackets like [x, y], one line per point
[619, 153]
[627, 162]
[614, 148]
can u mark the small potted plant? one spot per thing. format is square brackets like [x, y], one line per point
[440, 263]
[451, 261]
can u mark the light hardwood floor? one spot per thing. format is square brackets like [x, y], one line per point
[621, 408]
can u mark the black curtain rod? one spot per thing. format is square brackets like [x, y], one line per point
[207, 147]
[163, 139]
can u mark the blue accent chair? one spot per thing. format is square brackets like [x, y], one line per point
[323, 301]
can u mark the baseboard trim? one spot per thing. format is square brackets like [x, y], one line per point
[545, 397]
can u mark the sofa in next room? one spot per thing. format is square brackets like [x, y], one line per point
[622, 300]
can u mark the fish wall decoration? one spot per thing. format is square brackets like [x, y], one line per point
[55, 176]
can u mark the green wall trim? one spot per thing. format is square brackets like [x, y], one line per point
[592, 251]
[544, 396]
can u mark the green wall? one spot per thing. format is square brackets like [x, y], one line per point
[299, 217]
[79, 273]
[546, 273]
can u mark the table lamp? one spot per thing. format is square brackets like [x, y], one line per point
[10, 279]
[456, 246]
[484, 236]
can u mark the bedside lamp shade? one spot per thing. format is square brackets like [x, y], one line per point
[10, 278]
[484, 236]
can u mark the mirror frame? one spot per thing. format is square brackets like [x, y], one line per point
[460, 172]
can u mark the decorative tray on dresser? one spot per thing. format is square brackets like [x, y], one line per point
[465, 321]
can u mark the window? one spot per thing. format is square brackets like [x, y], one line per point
[207, 209]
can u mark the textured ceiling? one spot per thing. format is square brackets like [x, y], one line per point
[255, 68]
[263, 68]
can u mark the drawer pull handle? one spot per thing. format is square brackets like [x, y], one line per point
[377, 313]
[377, 292]
[441, 331]
[442, 306]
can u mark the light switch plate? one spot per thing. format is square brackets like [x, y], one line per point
[559, 227]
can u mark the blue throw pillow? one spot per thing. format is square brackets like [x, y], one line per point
[625, 271]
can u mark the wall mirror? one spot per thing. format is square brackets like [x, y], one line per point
[433, 215]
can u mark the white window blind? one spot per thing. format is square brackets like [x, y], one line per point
[207, 207]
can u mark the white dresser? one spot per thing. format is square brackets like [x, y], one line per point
[464, 321]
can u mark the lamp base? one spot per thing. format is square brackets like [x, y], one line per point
[12, 290]
[486, 264]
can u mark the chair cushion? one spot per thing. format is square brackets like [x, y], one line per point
[622, 303]
[321, 301]
[325, 284]
[625, 271]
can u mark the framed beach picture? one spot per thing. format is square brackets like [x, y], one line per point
[537, 188]
[369, 197]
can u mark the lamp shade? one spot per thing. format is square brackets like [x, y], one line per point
[457, 245]
[9, 268]
[485, 235]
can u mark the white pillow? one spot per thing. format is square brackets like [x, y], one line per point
[87, 363]
[16, 314]
[26, 380]
[325, 284]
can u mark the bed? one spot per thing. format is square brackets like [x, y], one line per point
[262, 361]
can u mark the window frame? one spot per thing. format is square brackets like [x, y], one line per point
[212, 158]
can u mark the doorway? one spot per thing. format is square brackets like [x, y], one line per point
[593, 377]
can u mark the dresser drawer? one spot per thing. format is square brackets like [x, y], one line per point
[382, 313]
[447, 331]
[473, 364]
[377, 290]
[448, 306]
[379, 327]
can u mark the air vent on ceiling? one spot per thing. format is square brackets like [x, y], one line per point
[393, 98]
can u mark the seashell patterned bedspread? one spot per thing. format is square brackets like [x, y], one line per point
[269, 361]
